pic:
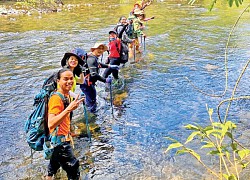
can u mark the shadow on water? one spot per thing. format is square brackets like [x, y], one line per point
[156, 101]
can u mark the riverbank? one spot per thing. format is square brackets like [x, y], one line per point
[16, 9]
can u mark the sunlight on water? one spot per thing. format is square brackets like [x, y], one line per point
[157, 101]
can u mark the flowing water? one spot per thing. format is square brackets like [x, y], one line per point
[183, 41]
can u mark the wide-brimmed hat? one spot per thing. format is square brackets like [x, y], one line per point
[138, 11]
[78, 53]
[97, 45]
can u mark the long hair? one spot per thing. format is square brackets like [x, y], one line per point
[77, 69]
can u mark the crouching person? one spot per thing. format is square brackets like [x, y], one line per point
[59, 127]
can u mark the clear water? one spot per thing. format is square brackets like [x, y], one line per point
[183, 41]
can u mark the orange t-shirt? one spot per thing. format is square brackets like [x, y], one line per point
[56, 106]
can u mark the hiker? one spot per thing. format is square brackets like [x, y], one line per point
[114, 54]
[127, 35]
[59, 119]
[74, 61]
[88, 87]
[123, 22]
[138, 28]
[140, 5]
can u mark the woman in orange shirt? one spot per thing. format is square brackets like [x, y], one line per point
[59, 124]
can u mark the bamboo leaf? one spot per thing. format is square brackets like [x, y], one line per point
[243, 153]
[208, 132]
[232, 177]
[236, 3]
[225, 176]
[191, 136]
[234, 146]
[196, 155]
[216, 135]
[224, 130]
[245, 165]
[173, 146]
[230, 125]
[229, 135]
[208, 128]
[208, 145]
[212, 5]
[171, 139]
[217, 124]
[182, 151]
[230, 2]
[191, 127]
[216, 152]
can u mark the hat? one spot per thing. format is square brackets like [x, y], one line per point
[138, 11]
[78, 53]
[112, 31]
[138, 3]
[97, 45]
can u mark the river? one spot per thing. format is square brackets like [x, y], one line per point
[182, 41]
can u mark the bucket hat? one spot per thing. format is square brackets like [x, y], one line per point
[97, 45]
[78, 53]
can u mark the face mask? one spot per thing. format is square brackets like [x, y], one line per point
[112, 39]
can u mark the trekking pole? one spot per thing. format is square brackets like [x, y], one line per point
[111, 99]
[87, 122]
[141, 39]
[144, 44]
[101, 58]
[134, 51]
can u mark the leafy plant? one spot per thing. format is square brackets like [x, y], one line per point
[218, 139]
[230, 3]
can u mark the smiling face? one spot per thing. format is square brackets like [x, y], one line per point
[123, 20]
[65, 81]
[99, 51]
[72, 62]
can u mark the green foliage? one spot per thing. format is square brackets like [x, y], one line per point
[230, 3]
[218, 139]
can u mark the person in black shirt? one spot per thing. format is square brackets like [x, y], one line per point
[88, 87]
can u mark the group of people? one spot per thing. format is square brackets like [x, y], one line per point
[79, 67]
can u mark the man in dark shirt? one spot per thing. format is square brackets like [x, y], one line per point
[88, 87]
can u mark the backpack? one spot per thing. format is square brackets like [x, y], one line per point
[129, 30]
[85, 68]
[124, 52]
[36, 126]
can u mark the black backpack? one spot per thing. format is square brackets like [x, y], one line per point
[85, 68]
[124, 52]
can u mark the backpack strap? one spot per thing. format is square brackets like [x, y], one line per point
[54, 138]
[117, 48]
[64, 99]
